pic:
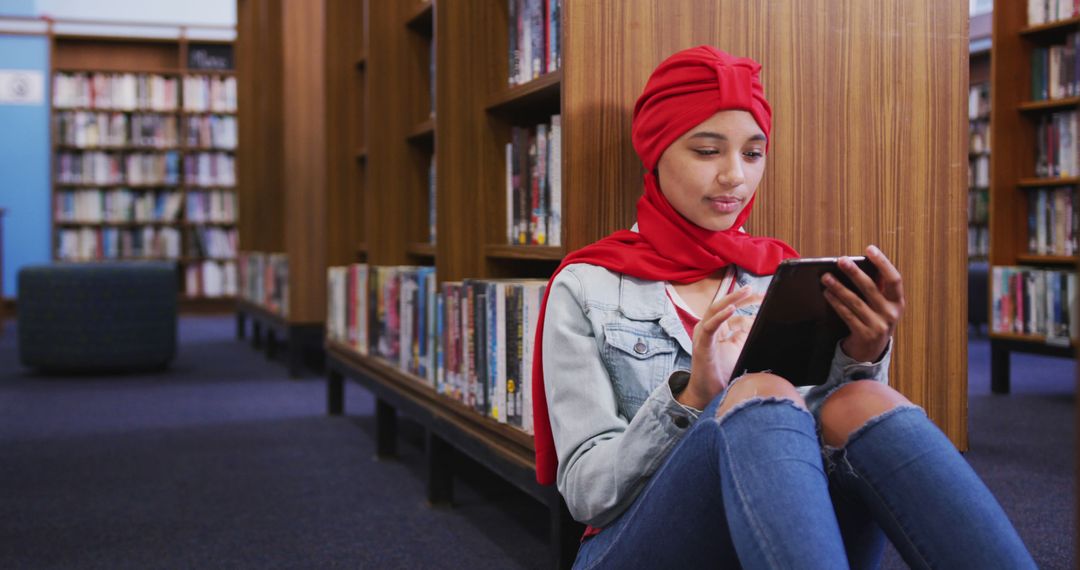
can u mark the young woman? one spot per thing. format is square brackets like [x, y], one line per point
[674, 464]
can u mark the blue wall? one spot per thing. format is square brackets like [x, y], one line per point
[24, 162]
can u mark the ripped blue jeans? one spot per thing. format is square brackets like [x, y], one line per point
[757, 489]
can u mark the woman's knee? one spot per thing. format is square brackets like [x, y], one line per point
[852, 405]
[758, 385]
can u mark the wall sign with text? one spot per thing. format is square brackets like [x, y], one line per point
[210, 57]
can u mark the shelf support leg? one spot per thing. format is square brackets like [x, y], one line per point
[440, 484]
[295, 347]
[335, 393]
[999, 368]
[385, 430]
[565, 533]
[241, 322]
[256, 334]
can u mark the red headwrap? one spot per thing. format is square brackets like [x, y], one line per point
[683, 91]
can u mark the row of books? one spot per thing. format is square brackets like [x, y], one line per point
[212, 242]
[1027, 300]
[535, 38]
[217, 206]
[92, 244]
[210, 169]
[979, 136]
[471, 341]
[1055, 70]
[979, 206]
[211, 131]
[1053, 221]
[210, 278]
[119, 91]
[210, 93]
[94, 206]
[978, 241]
[136, 169]
[1046, 11]
[534, 184]
[89, 129]
[979, 101]
[1056, 145]
[979, 171]
[264, 280]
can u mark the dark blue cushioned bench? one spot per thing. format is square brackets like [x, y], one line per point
[101, 316]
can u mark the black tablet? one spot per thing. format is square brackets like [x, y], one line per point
[796, 330]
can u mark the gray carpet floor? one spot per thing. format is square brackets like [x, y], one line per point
[224, 462]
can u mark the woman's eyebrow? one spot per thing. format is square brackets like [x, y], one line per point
[723, 137]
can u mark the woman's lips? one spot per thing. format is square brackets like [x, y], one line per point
[725, 204]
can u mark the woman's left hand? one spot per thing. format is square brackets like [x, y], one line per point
[871, 321]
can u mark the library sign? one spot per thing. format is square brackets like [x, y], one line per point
[22, 87]
[210, 58]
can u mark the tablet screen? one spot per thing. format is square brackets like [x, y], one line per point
[795, 332]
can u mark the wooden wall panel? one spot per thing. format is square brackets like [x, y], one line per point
[869, 144]
[305, 179]
[259, 159]
[389, 122]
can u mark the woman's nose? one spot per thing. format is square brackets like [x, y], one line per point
[731, 173]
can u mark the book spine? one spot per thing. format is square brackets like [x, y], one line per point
[480, 347]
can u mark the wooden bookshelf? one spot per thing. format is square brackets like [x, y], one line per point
[341, 169]
[978, 154]
[141, 57]
[1013, 132]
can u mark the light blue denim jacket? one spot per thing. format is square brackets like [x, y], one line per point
[611, 342]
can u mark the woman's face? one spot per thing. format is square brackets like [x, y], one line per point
[710, 173]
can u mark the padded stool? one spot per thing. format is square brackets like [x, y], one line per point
[100, 316]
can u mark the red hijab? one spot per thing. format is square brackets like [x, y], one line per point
[683, 91]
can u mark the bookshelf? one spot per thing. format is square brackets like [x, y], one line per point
[1017, 180]
[342, 165]
[979, 156]
[144, 136]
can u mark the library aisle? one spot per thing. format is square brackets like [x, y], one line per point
[225, 462]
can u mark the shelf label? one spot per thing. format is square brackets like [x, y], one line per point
[22, 87]
[1062, 341]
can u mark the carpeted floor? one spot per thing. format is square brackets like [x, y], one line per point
[225, 462]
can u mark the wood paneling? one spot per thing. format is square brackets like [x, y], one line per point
[345, 98]
[390, 119]
[305, 177]
[869, 144]
[260, 129]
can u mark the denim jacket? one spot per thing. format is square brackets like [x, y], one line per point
[611, 342]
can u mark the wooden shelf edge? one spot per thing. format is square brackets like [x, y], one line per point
[422, 132]
[1040, 182]
[537, 252]
[421, 19]
[421, 249]
[1047, 259]
[1049, 104]
[1059, 25]
[489, 430]
[1029, 338]
[547, 85]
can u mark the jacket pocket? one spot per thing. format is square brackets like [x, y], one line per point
[638, 356]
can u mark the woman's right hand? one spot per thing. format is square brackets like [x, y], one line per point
[718, 340]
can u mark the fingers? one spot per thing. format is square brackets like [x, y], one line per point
[839, 294]
[856, 323]
[891, 283]
[711, 325]
[862, 282]
[737, 296]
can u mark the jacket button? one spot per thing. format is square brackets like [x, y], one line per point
[640, 347]
[681, 422]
